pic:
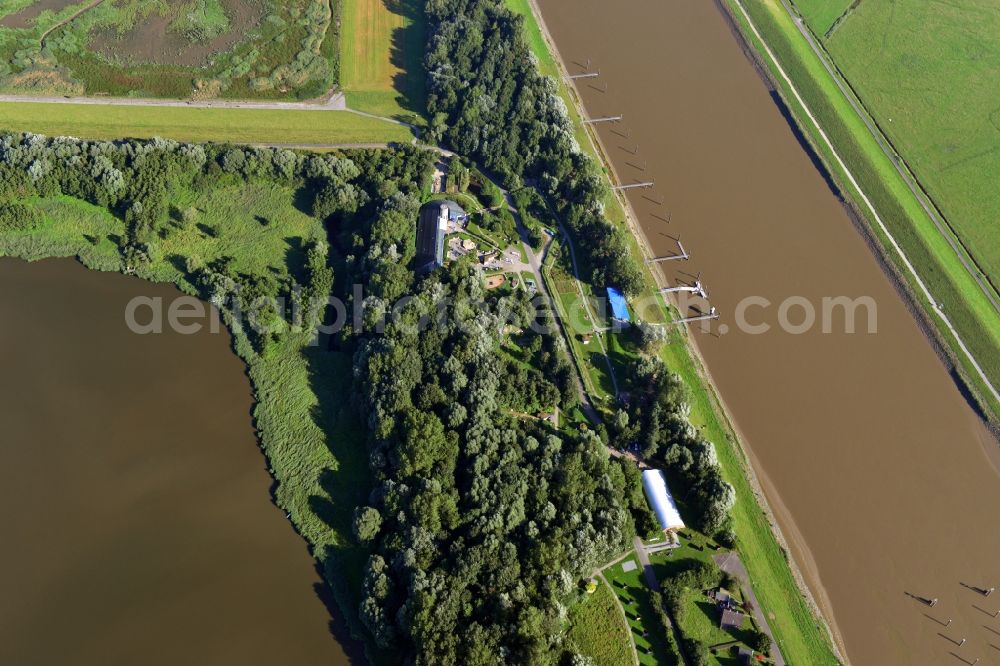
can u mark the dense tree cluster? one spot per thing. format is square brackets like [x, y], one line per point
[483, 519]
[488, 100]
[656, 422]
[696, 577]
[137, 180]
[17, 216]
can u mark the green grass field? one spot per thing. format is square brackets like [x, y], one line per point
[964, 302]
[598, 630]
[822, 14]
[381, 57]
[200, 124]
[587, 357]
[637, 600]
[921, 69]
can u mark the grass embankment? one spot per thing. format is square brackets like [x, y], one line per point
[598, 630]
[381, 57]
[312, 439]
[964, 302]
[263, 126]
[797, 629]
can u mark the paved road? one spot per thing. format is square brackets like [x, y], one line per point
[733, 565]
[647, 567]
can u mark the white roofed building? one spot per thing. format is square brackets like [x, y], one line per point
[661, 501]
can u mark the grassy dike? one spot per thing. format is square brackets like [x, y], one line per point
[964, 303]
[195, 124]
[799, 631]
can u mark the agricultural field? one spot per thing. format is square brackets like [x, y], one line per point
[822, 15]
[924, 72]
[155, 48]
[382, 52]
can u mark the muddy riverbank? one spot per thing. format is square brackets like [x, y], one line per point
[138, 525]
[880, 474]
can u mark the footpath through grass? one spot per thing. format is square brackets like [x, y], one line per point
[960, 297]
[798, 630]
[263, 126]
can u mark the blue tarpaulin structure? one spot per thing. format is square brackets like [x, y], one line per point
[619, 308]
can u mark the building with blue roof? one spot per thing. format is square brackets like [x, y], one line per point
[619, 308]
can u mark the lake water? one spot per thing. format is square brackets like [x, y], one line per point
[136, 519]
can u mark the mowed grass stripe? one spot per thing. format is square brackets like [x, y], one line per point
[381, 56]
[266, 126]
[367, 28]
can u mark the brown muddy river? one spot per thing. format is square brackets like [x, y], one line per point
[137, 524]
[884, 480]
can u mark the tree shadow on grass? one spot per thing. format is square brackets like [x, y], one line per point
[406, 54]
[342, 561]
[295, 259]
[711, 611]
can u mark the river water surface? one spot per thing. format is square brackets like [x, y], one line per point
[136, 519]
[882, 477]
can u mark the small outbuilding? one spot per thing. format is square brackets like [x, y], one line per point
[731, 619]
[619, 307]
[455, 212]
[661, 501]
